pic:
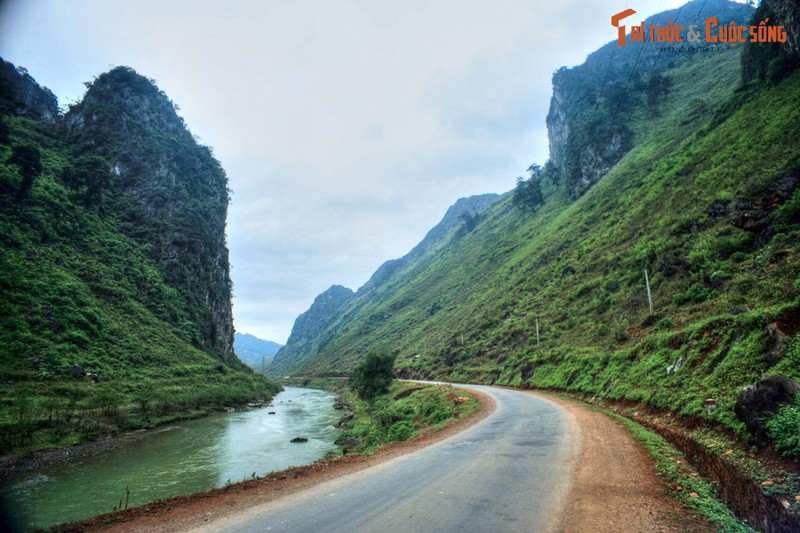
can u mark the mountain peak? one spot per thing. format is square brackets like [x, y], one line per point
[21, 95]
[122, 93]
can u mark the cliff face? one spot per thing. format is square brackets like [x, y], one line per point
[114, 285]
[168, 191]
[590, 107]
[22, 96]
[774, 61]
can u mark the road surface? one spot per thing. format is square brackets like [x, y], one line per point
[509, 472]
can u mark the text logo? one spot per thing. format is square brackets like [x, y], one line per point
[713, 32]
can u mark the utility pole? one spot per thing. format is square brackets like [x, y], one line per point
[649, 296]
[537, 331]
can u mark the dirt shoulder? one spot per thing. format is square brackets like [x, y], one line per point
[614, 486]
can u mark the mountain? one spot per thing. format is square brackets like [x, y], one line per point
[169, 194]
[316, 327]
[587, 139]
[116, 294]
[673, 179]
[254, 352]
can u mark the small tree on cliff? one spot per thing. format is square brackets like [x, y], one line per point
[528, 194]
[373, 375]
[29, 160]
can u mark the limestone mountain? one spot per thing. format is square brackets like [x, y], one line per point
[587, 124]
[309, 328]
[168, 192]
[314, 328]
[114, 275]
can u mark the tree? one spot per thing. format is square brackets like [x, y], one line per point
[658, 87]
[528, 194]
[90, 177]
[552, 172]
[373, 375]
[29, 160]
[470, 220]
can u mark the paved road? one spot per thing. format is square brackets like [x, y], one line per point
[509, 472]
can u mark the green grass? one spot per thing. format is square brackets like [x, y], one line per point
[404, 412]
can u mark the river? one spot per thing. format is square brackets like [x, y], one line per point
[188, 457]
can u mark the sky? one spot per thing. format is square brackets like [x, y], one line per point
[346, 127]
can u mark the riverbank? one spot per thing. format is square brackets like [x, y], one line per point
[192, 456]
[16, 466]
[186, 512]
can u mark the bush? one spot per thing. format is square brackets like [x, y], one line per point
[373, 375]
[784, 428]
[400, 431]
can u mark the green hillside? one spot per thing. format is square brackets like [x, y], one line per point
[115, 300]
[702, 194]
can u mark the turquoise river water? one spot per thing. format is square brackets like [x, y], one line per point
[187, 457]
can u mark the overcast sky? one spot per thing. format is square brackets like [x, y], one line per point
[346, 127]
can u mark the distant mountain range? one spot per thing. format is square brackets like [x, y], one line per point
[254, 352]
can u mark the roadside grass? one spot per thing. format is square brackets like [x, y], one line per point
[406, 411]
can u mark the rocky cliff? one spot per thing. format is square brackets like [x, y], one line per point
[774, 61]
[168, 191]
[114, 284]
[588, 121]
[21, 95]
[308, 328]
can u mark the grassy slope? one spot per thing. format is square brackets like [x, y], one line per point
[78, 292]
[578, 267]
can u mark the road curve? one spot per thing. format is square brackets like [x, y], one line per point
[509, 472]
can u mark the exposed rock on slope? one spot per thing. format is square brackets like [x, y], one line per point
[179, 193]
[309, 326]
[21, 95]
[588, 123]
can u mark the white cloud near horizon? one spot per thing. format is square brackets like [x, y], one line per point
[346, 127]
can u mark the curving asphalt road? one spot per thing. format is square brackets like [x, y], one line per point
[509, 472]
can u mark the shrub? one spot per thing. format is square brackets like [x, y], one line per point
[400, 431]
[373, 375]
[784, 428]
